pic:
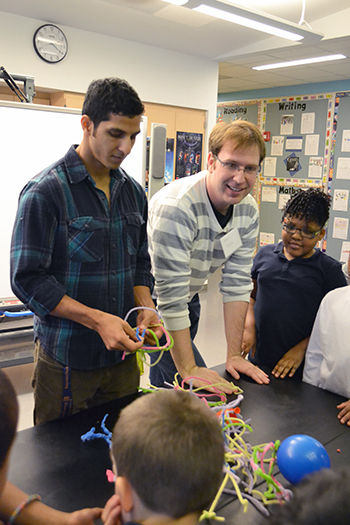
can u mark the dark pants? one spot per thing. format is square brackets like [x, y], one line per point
[165, 370]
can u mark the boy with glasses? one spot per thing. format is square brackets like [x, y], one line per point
[290, 280]
[197, 225]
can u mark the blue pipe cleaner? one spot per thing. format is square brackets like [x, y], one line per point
[92, 434]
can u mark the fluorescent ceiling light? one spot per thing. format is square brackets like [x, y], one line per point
[227, 10]
[300, 62]
[247, 22]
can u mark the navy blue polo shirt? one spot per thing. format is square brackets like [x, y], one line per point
[288, 296]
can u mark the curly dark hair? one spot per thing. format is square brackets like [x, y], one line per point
[312, 205]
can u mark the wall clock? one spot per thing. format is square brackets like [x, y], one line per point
[50, 43]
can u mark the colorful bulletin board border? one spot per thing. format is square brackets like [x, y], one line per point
[295, 183]
[338, 96]
[300, 98]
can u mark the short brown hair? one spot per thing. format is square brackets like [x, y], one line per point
[170, 448]
[8, 416]
[242, 133]
[111, 96]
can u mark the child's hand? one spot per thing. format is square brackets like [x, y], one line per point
[111, 514]
[290, 362]
[344, 414]
[82, 517]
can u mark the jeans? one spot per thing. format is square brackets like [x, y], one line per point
[165, 370]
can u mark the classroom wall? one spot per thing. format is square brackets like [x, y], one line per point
[158, 75]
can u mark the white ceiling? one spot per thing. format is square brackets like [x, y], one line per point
[237, 49]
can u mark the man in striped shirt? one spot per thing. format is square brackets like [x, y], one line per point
[196, 225]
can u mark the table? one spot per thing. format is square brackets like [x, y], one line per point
[51, 459]
[281, 409]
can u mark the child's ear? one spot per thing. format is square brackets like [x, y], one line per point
[125, 493]
[322, 233]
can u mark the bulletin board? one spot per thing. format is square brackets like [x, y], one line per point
[297, 134]
[298, 139]
[230, 111]
[338, 237]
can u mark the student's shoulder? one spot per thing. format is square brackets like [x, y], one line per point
[340, 294]
[265, 256]
[331, 270]
[269, 250]
[46, 181]
[327, 261]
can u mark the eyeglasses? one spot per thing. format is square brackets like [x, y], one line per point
[307, 234]
[233, 167]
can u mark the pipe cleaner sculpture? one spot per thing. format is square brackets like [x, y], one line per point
[147, 349]
[246, 467]
[141, 353]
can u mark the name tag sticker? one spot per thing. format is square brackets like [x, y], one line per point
[231, 242]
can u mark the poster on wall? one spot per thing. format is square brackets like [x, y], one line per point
[169, 161]
[188, 154]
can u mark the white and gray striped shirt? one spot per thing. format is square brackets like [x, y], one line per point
[187, 244]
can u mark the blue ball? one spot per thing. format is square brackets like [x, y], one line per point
[300, 455]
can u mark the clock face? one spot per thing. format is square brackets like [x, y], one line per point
[50, 43]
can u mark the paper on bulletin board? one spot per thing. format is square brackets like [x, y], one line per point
[270, 166]
[277, 146]
[294, 143]
[315, 167]
[340, 228]
[283, 198]
[287, 123]
[307, 123]
[345, 145]
[311, 144]
[340, 200]
[269, 194]
[343, 168]
[266, 238]
[345, 251]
